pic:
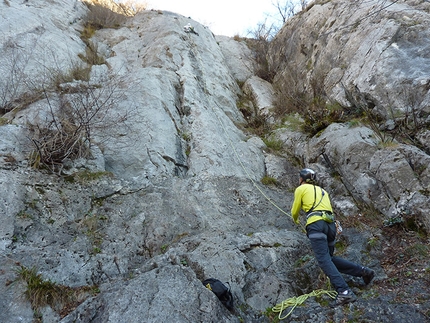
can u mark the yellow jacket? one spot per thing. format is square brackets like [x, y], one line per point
[306, 196]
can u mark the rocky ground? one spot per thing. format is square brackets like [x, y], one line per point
[400, 259]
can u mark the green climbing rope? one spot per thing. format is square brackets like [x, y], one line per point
[295, 301]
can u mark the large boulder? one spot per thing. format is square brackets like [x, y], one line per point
[372, 173]
[374, 48]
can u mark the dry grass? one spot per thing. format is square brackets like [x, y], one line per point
[100, 16]
[405, 261]
[41, 293]
[402, 249]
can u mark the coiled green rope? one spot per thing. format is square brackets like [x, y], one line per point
[298, 300]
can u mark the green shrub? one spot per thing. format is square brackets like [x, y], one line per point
[293, 121]
[86, 176]
[302, 261]
[273, 143]
[317, 118]
[267, 180]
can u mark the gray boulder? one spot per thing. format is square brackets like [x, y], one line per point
[370, 47]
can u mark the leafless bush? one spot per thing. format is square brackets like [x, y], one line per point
[77, 108]
[133, 6]
[61, 138]
[13, 80]
[263, 34]
[259, 47]
[100, 16]
[76, 112]
[410, 118]
[363, 105]
[290, 94]
[264, 31]
[287, 9]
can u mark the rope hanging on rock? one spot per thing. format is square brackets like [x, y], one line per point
[295, 301]
[196, 54]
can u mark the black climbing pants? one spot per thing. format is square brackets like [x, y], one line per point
[322, 236]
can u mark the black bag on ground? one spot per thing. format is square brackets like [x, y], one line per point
[221, 291]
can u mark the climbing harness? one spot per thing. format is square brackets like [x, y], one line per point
[315, 199]
[293, 302]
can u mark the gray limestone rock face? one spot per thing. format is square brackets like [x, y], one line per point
[376, 48]
[170, 192]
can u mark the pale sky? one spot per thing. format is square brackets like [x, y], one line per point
[223, 17]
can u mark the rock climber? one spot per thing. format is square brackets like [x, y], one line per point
[321, 231]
